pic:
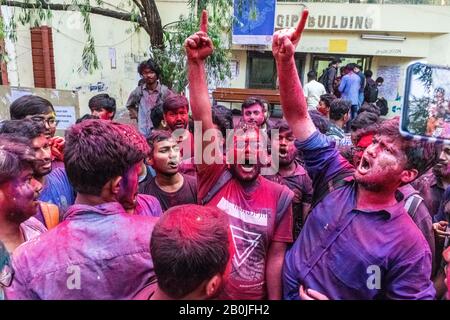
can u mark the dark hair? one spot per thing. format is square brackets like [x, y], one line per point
[363, 120]
[29, 105]
[174, 101]
[368, 73]
[337, 60]
[97, 151]
[149, 64]
[322, 124]
[157, 136]
[156, 115]
[86, 117]
[28, 129]
[223, 118]
[369, 107]
[339, 108]
[189, 245]
[420, 155]
[312, 75]
[281, 125]
[379, 80]
[350, 66]
[327, 99]
[254, 100]
[15, 156]
[365, 123]
[103, 101]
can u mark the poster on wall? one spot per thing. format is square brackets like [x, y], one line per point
[65, 117]
[390, 87]
[254, 22]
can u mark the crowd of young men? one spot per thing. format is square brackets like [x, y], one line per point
[289, 209]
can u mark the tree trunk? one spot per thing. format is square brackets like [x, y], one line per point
[154, 25]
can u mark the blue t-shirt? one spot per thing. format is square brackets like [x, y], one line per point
[58, 191]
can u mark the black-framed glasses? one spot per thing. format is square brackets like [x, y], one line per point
[51, 122]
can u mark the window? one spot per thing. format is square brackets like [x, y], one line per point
[262, 72]
[43, 58]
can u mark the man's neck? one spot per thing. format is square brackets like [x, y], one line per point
[152, 86]
[90, 200]
[338, 123]
[169, 183]
[10, 234]
[286, 171]
[160, 295]
[373, 201]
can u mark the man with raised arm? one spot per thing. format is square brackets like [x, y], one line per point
[358, 241]
[259, 211]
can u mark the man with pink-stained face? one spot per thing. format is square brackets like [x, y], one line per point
[103, 106]
[254, 112]
[259, 211]
[102, 163]
[55, 186]
[360, 226]
[18, 193]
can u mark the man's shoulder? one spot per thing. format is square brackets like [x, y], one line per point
[146, 199]
[190, 180]
[275, 188]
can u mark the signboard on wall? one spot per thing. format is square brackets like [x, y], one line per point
[254, 22]
[65, 103]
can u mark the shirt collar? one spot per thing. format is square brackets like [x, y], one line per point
[388, 212]
[107, 208]
[158, 87]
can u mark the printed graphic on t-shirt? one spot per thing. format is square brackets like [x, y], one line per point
[249, 233]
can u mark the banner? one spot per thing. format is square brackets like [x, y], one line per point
[254, 22]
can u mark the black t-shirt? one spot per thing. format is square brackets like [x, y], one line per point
[185, 195]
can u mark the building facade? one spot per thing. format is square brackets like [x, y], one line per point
[382, 37]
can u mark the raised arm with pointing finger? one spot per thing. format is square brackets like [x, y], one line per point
[199, 47]
[293, 100]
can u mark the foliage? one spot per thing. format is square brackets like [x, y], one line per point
[142, 14]
[172, 59]
[418, 115]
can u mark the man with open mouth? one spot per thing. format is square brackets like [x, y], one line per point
[259, 211]
[169, 186]
[358, 241]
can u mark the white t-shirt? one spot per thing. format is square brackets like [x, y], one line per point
[313, 90]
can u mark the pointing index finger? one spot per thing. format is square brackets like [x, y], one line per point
[204, 22]
[301, 25]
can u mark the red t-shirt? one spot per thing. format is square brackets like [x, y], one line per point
[257, 215]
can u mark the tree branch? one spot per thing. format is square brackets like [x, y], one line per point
[67, 7]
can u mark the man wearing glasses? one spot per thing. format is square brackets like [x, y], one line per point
[56, 186]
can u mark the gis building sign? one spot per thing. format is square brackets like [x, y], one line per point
[326, 22]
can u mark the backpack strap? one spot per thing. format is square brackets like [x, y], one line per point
[412, 204]
[50, 213]
[223, 179]
[336, 182]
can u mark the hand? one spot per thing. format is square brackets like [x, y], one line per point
[133, 113]
[285, 41]
[297, 196]
[310, 294]
[199, 46]
[57, 148]
[439, 229]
